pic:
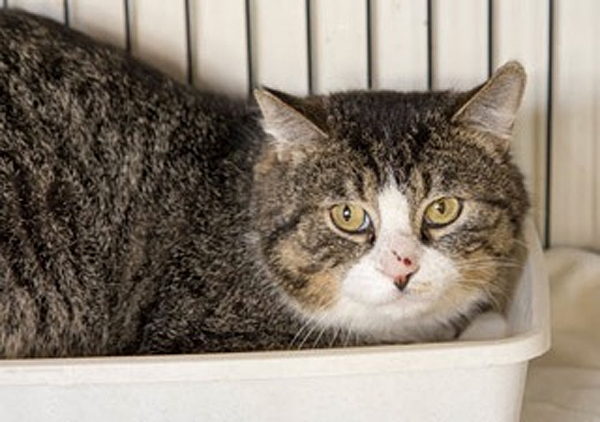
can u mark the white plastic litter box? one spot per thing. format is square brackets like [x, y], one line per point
[462, 381]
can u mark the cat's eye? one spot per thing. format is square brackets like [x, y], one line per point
[443, 211]
[350, 218]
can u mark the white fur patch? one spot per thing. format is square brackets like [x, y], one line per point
[369, 301]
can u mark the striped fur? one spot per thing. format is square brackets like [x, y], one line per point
[138, 215]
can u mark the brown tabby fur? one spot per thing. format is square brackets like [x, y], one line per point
[138, 215]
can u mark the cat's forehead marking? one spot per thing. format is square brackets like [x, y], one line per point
[394, 210]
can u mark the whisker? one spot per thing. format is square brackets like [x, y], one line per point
[335, 336]
[486, 267]
[491, 260]
[521, 243]
[318, 339]
[492, 291]
[315, 325]
[301, 330]
[347, 337]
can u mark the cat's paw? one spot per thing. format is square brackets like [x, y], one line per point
[487, 326]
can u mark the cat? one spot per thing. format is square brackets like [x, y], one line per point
[140, 216]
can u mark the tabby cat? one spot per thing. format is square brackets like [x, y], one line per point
[140, 216]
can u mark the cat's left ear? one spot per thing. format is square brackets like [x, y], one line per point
[290, 120]
[493, 107]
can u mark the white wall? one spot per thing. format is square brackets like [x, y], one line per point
[340, 56]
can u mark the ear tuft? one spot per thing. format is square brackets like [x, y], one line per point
[493, 107]
[285, 119]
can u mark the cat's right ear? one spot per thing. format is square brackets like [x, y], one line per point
[285, 118]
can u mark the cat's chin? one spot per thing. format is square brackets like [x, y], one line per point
[397, 299]
[397, 318]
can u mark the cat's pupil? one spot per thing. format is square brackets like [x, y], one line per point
[347, 213]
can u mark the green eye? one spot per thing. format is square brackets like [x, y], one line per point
[443, 211]
[350, 218]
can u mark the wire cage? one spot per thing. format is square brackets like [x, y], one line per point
[317, 46]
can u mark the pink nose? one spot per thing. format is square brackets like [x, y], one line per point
[400, 267]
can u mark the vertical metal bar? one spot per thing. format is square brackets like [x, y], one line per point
[490, 37]
[249, 47]
[188, 41]
[5, 3]
[429, 44]
[549, 109]
[309, 49]
[369, 45]
[66, 14]
[127, 26]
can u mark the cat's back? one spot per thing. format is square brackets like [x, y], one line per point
[58, 76]
[71, 104]
[104, 165]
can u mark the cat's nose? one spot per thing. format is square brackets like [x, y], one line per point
[401, 281]
[405, 267]
[400, 268]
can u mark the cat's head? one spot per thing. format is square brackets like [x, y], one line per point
[391, 214]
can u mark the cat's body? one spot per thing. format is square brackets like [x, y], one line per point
[140, 216]
[111, 211]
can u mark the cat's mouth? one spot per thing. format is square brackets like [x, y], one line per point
[408, 295]
[398, 297]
